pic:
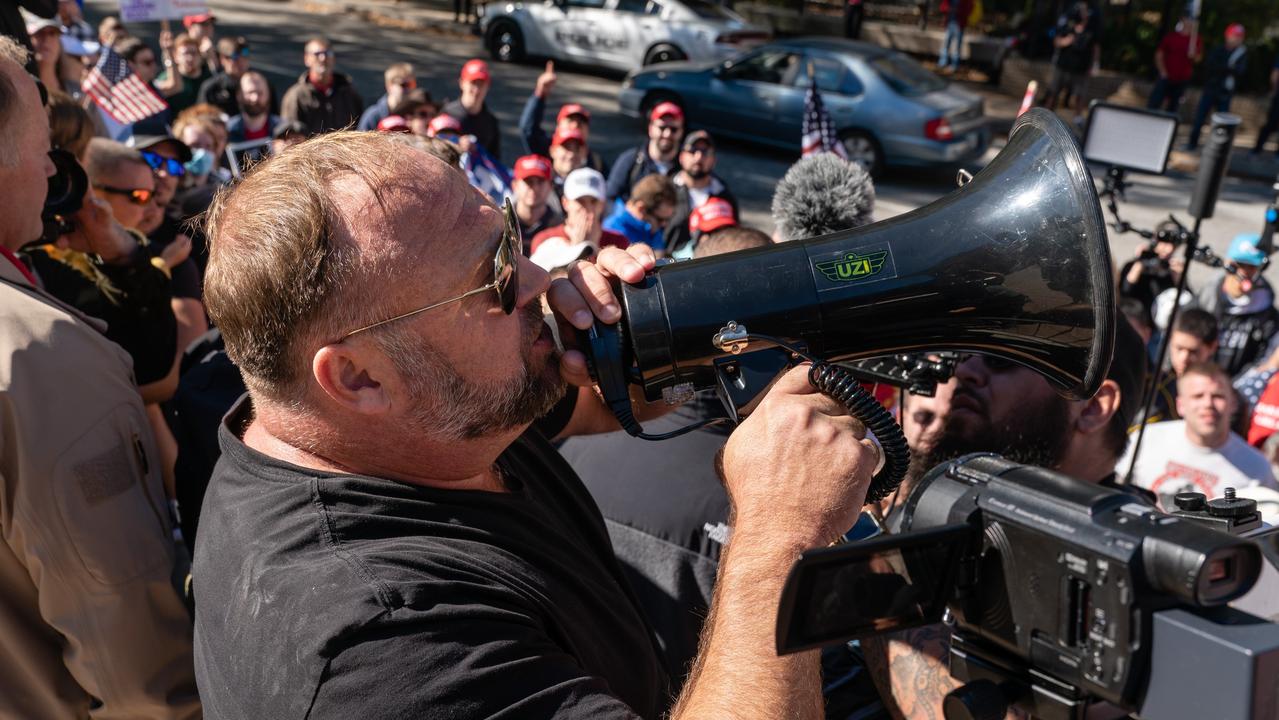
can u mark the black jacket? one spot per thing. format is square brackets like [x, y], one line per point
[631, 165]
[220, 91]
[339, 107]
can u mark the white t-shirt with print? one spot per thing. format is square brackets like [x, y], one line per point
[1170, 464]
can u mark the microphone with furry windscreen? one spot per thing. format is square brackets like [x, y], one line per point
[1014, 264]
[822, 194]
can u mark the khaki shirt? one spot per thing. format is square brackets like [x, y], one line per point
[91, 625]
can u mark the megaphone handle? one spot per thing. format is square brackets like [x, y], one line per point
[894, 453]
[604, 362]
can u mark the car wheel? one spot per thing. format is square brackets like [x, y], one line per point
[863, 150]
[664, 53]
[506, 42]
[656, 98]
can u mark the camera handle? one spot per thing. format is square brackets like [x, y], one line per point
[995, 681]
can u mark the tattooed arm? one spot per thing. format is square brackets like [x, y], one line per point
[911, 670]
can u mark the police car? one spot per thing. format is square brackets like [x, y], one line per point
[620, 34]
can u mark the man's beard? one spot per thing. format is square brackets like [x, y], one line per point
[697, 173]
[253, 110]
[1038, 434]
[666, 145]
[445, 404]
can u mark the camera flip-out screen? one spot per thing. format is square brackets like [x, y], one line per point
[1129, 138]
[869, 587]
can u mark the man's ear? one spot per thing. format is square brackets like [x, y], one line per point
[1096, 413]
[349, 378]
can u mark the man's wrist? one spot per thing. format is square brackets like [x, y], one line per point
[766, 534]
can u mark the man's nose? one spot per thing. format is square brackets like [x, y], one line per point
[534, 282]
[971, 371]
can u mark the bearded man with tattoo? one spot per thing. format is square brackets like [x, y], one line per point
[1001, 407]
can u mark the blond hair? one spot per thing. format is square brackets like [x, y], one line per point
[281, 274]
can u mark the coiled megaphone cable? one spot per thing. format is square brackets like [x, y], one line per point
[606, 363]
[839, 384]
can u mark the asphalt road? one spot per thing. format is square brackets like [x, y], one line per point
[277, 30]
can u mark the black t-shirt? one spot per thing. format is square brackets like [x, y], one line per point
[1156, 278]
[133, 300]
[483, 125]
[668, 515]
[324, 595]
[1223, 63]
[185, 278]
[1077, 57]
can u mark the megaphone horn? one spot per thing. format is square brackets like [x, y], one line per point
[1013, 264]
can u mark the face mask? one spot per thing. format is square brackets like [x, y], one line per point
[201, 162]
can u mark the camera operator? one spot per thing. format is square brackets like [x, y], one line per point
[1155, 269]
[90, 623]
[1243, 303]
[1001, 407]
[390, 534]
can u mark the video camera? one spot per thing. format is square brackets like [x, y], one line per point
[1061, 593]
[67, 188]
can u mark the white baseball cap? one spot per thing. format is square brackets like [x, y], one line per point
[584, 182]
[557, 252]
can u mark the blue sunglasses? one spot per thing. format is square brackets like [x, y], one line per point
[162, 164]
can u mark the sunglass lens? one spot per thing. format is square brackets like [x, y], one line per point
[507, 260]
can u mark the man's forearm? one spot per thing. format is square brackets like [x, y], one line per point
[911, 671]
[738, 673]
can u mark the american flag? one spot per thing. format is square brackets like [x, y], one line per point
[119, 92]
[819, 131]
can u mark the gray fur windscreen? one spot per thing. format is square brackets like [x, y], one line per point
[822, 194]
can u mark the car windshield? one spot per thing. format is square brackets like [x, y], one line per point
[708, 10]
[906, 76]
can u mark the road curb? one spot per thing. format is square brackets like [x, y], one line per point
[398, 14]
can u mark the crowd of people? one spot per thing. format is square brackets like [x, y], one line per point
[286, 435]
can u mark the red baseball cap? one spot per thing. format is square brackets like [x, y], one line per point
[532, 166]
[475, 70]
[440, 123]
[666, 109]
[563, 135]
[714, 214]
[1235, 30]
[393, 123]
[189, 20]
[572, 109]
